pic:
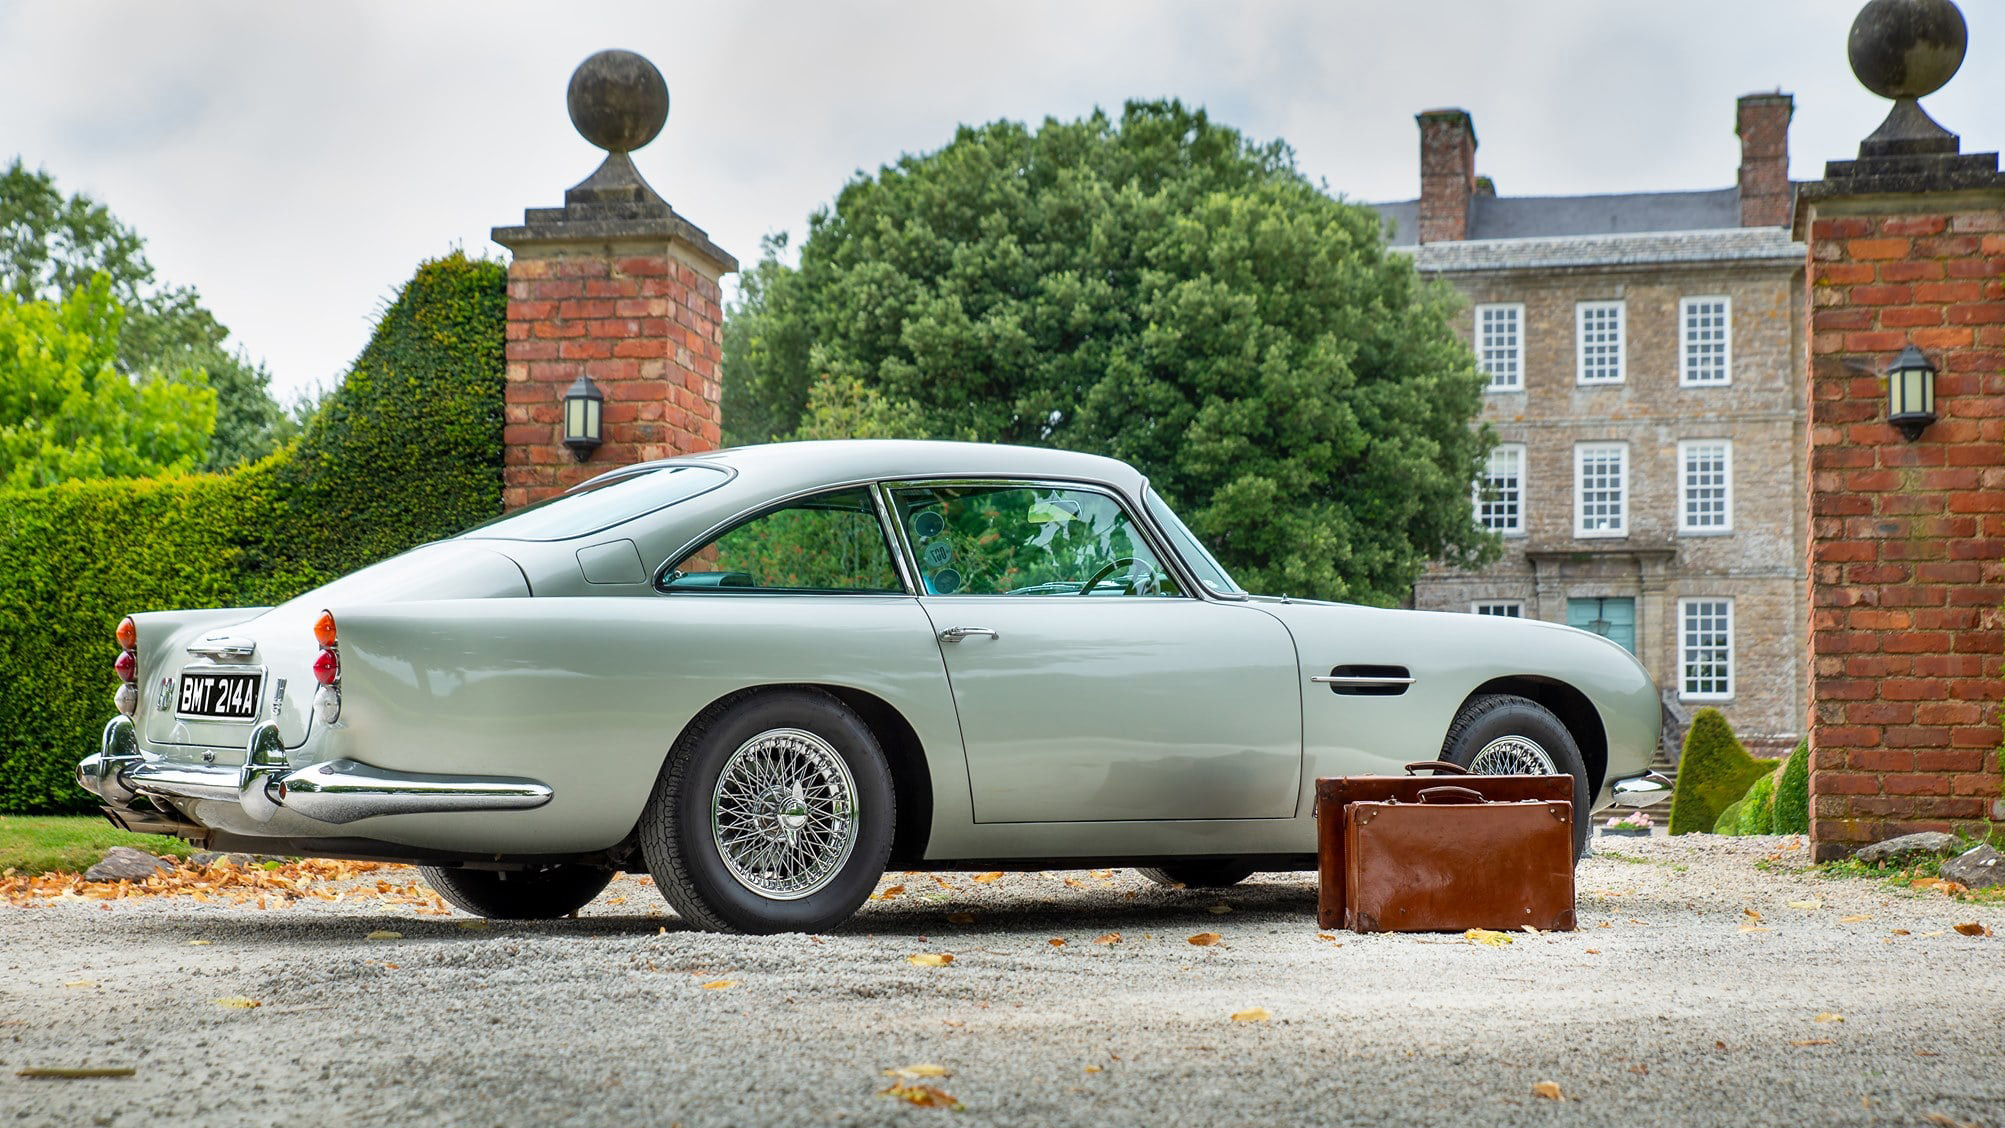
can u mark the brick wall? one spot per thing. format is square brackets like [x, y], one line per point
[644, 327]
[1907, 539]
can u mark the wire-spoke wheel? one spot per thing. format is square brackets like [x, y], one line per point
[773, 813]
[783, 814]
[1504, 734]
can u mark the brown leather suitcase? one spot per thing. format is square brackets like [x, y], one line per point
[1335, 794]
[1455, 861]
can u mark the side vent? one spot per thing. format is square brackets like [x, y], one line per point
[1367, 681]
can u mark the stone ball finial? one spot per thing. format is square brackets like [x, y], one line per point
[618, 100]
[1907, 48]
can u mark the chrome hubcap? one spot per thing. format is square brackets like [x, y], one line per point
[783, 815]
[1512, 755]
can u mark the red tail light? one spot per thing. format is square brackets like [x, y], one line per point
[127, 633]
[326, 667]
[126, 666]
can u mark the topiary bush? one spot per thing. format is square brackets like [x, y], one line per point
[1713, 772]
[1792, 792]
[407, 450]
[1729, 818]
[1757, 807]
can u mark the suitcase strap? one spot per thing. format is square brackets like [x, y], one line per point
[1438, 767]
[1451, 795]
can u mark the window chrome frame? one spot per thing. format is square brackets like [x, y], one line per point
[774, 505]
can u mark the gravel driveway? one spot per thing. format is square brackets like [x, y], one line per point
[1665, 1008]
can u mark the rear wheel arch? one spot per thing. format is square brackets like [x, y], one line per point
[1572, 708]
[911, 779]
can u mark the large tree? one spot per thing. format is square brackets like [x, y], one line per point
[1158, 288]
[51, 246]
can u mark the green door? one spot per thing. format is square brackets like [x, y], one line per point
[1613, 618]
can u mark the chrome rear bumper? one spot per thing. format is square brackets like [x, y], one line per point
[339, 791]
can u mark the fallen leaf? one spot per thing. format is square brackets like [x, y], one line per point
[1487, 937]
[1813, 903]
[1937, 932]
[1941, 1121]
[1075, 883]
[1828, 1016]
[1251, 1014]
[1549, 1090]
[1056, 941]
[198, 943]
[985, 878]
[930, 959]
[81, 983]
[1855, 918]
[1594, 951]
[481, 925]
[385, 934]
[1719, 1045]
[1529, 930]
[960, 918]
[1810, 1042]
[1754, 928]
[238, 1001]
[1109, 938]
[1326, 937]
[924, 1096]
[915, 1072]
[1752, 913]
[719, 984]
[1096, 1069]
[888, 893]
[1219, 910]
[1103, 873]
[1973, 929]
[74, 1073]
[1206, 939]
[1900, 932]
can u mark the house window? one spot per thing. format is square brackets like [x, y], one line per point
[1705, 649]
[1601, 490]
[1502, 608]
[1600, 331]
[1500, 346]
[1500, 504]
[1705, 486]
[1706, 333]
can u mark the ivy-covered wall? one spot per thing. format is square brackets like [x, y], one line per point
[408, 449]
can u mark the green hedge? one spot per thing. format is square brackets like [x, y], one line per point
[1713, 771]
[407, 450]
[1792, 793]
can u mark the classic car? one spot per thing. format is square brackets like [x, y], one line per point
[765, 674]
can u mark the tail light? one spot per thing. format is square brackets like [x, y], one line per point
[327, 670]
[126, 666]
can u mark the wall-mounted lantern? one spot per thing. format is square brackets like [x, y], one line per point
[584, 412]
[1911, 393]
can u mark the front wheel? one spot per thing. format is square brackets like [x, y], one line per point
[774, 813]
[1503, 734]
[544, 893]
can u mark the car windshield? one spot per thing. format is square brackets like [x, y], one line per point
[1209, 572]
[602, 503]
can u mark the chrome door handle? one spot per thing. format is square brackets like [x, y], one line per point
[956, 634]
[1327, 679]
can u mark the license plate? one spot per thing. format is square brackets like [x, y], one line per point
[225, 696]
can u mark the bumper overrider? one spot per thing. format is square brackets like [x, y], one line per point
[338, 791]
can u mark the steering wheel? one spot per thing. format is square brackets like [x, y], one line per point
[1106, 570]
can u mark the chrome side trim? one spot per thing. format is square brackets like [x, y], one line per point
[342, 791]
[1327, 679]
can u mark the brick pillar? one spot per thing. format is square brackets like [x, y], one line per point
[617, 287]
[1762, 121]
[1447, 174]
[1907, 539]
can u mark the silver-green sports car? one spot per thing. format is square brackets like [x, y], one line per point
[765, 674]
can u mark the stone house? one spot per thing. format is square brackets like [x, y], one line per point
[1644, 356]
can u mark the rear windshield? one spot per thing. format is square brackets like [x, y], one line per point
[602, 503]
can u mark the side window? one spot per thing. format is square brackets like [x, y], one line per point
[1028, 540]
[830, 542]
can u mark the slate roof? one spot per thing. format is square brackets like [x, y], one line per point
[1768, 245]
[1532, 217]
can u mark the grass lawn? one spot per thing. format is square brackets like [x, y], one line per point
[40, 843]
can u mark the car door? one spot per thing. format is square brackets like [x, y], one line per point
[1090, 685]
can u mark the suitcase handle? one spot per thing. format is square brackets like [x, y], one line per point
[1438, 767]
[1451, 795]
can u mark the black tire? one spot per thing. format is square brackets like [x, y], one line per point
[1214, 873]
[683, 852]
[1494, 716]
[544, 893]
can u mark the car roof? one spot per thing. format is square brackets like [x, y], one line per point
[790, 467]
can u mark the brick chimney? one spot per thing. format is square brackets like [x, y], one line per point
[1447, 174]
[1763, 125]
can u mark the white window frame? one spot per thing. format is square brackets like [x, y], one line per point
[1516, 528]
[1685, 647]
[1581, 452]
[1686, 379]
[1581, 310]
[1516, 608]
[1686, 448]
[1516, 360]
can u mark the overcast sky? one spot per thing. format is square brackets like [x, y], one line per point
[294, 162]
